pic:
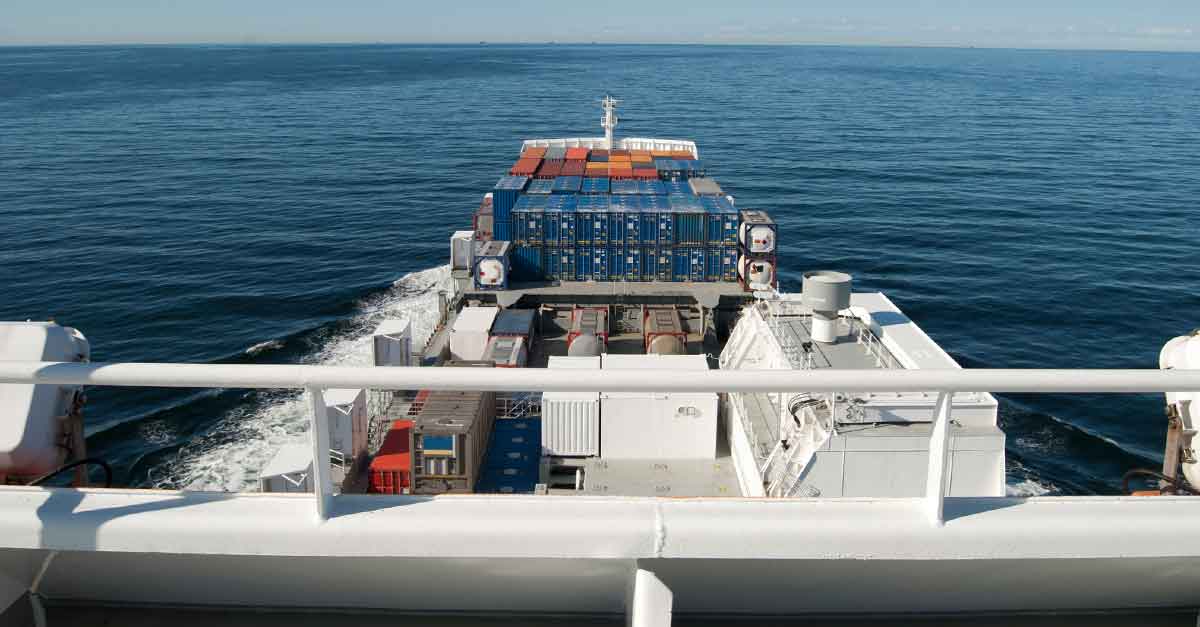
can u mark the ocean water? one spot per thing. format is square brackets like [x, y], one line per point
[268, 204]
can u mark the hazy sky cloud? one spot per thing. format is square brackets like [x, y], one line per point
[1140, 24]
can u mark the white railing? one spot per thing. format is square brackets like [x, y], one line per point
[317, 378]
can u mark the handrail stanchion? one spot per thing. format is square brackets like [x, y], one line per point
[319, 435]
[939, 459]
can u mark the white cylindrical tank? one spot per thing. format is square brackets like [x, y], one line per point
[490, 272]
[1183, 353]
[756, 272]
[826, 293]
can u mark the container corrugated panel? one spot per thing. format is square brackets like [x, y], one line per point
[560, 226]
[550, 169]
[595, 158]
[560, 263]
[577, 153]
[502, 229]
[729, 262]
[534, 151]
[556, 152]
[567, 184]
[648, 255]
[666, 227]
[514, 322]
[540, 187]
[505, 194]
[654, 187]
[616, 224]
[631, 220]
[600, 265]
[676, 187]
[595, 210]
[583, 263]
[527, 263]
[391, 468]
[621, 187]
[654, 201]
[691, 226]
[620, 173]
[723, 220]
[632, 263]
[664, 263]
[594, 186]
[617, 263]
[646, 174]
[528, 224]
[573, 168]
[648, 226]
[584, 225]
[525, 167]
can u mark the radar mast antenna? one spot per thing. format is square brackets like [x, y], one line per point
[609, 121]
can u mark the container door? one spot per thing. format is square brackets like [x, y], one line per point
[600, 262]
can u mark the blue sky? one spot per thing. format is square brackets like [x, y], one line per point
[1109, 24]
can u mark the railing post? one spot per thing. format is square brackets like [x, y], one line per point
[319, 436]
[939, 458]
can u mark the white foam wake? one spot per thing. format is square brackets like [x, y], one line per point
[229, 456]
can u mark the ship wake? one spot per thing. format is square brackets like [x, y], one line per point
[228, 455]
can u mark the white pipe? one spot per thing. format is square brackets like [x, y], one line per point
[541, 379]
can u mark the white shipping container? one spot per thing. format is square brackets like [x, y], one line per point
[290, 470]
[346, 410]
[462, 243]
[469, 336]
[393, 343]
[643, 425]
[571, 420]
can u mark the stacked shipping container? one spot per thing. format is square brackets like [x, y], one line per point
[574, 214]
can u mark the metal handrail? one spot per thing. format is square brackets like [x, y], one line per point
[318, 378]
[246, 376]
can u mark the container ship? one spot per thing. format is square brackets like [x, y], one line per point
[619, 416]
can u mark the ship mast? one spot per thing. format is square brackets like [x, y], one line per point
[609, 121]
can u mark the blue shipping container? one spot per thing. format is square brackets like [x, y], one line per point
[651, 187]
[618, 263]
[594, 186]
[624, 186]
[541, 186]
[688, 264]
[527, 263]
[594, 210]
[616, 225]
[583, 263]
[649, 259]
[723, 220]
[676, 187]
[528, 224]
[567, 184]
[690, 226]
[665, 234]
[633, 262]
[663, 264]
[560, 263]
[502, 229]
[648, 227]
[505, 194]
[600, 265]
[726, 260]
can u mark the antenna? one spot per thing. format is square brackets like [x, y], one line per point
[609, 121]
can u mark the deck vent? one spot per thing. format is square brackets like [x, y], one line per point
[826, 293]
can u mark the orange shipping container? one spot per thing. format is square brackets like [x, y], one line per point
[660, 154]
[639, 153]
[682, 154]
[642, 159]
[391, 469]
[525, 167]
[620, 173]
[576, 154]
[536, 151]
[645, 173]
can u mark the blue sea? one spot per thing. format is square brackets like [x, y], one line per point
[268, 204]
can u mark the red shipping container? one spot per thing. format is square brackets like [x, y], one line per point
[550, 169]
[538, 152]
[618, 153]
[525, 167]
[645, 173]
[391, 469]
[620, 173]
[682, 155]
[573, 168]
[577, 154]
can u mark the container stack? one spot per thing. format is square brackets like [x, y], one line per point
[579, 214]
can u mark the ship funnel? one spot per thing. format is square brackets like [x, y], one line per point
[826, 293]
